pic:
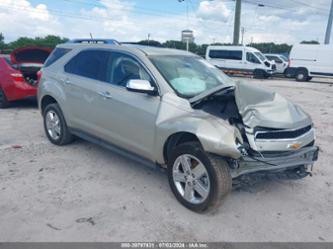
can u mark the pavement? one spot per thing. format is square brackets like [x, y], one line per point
[82, 192]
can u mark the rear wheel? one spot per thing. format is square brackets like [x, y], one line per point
[301, 74]
[4, 103]
[55, 125]
[198, 181]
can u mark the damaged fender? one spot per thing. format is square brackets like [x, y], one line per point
[216, 136]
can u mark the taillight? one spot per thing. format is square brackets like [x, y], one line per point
[39, 76]
[17, 76]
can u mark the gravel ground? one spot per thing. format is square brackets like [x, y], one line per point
[83, 192]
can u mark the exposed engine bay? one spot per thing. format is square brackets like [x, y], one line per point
[259, 143]
[223, 105]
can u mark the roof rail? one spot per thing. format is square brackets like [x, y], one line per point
[95, 41]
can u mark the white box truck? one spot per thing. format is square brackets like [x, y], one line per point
[240, 59]
[310, 60]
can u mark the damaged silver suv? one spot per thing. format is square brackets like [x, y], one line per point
[173, 109]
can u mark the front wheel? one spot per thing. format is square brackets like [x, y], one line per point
[259, 74]
[199, 182]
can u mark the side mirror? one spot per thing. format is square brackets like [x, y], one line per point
[141, 86]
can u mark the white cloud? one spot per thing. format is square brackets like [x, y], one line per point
[213, 10]
[211, 21]
[20, 18]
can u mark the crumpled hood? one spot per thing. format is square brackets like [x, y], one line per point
[260, 107]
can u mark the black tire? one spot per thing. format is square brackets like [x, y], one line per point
[218, 173]
[266, 75]
[288, 73]
[65, 137]
[301, 74]
[4, 103]
[259, 74]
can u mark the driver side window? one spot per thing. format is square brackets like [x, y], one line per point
[123, 68]
[252, 58]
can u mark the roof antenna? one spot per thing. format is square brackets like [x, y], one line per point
[91, 36]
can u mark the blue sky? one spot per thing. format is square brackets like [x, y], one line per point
[289, 21]
[159, 5]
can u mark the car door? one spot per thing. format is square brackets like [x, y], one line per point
[125, 118]
[280, 66]
[252, 62]
[217, 58]
[81, 77]
[235, 59]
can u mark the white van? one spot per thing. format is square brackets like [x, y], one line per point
[309, 60]
[240, 59]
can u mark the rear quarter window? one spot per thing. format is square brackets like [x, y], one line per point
[56, 55]
[90, 64]
[9, 63]
[226, 54]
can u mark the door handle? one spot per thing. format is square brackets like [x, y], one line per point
[105, 95]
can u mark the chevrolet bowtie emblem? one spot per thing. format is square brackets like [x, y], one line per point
[294, 146]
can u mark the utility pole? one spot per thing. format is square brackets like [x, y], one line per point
[243, 31]
[148, 38]
[237, 22]
[329, 25]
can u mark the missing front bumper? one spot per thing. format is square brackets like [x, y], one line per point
[305, 156]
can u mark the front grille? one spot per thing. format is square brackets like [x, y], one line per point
[273, 67]
[282, 134]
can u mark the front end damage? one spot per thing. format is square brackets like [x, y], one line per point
[275, 136]
[301, 161]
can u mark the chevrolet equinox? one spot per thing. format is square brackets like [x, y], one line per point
[172, 109]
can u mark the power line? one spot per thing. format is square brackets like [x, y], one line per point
[263, 4]
[308, 5]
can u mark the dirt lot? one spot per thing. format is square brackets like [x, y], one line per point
[83, 192]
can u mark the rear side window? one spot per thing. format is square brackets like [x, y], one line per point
[226, 54]
[56, 55]
[91, 64]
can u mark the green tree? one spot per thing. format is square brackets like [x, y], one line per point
[150, 43]
[3, 45]
[181, 45]
[310, 42]
[49, 41]
[271, 47]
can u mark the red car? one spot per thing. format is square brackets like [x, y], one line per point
[19, 73]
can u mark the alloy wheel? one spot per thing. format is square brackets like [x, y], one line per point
[191, 178]
[53, 125]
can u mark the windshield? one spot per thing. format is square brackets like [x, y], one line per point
[284, 58]
[189, 75]
[260, 56]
